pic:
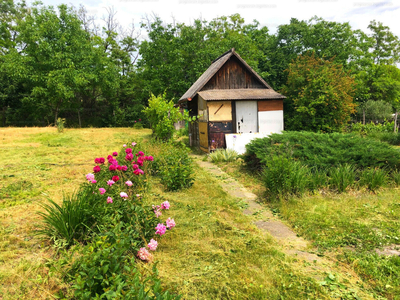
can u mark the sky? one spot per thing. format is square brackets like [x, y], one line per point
[270, 13]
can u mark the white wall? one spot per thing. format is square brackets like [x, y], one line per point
[268, 122]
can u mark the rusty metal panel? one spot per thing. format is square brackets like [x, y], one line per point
[219, 111]
[220, 127]
[217, 140]
[270, 105]
[203, 133]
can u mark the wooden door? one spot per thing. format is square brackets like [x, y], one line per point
[203, 136]
[246, 116]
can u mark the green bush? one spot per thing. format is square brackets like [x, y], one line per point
[106, 269]
[223, 155]
[283, 177]
[174, 166]
[323, 151]
[388, 137]
[318, 180]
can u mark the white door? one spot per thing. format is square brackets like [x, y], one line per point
[246, 116]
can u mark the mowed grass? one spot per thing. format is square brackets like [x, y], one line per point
[36, 163]
[349, 227]
[213, 253]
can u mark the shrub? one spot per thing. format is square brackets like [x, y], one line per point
[388, 137]
[105, 270]
[323, 151]
[174, 167]
[162, 115]
[373, 179]
[395, 177]
[60, 124]
[223, 155]
[283, 177]
[342, 177]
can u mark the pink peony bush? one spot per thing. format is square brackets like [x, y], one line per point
[125, 177]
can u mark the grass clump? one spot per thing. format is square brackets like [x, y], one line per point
[223, 155]
[342, 177]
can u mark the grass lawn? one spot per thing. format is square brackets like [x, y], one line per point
[349, 227]
[213, 253]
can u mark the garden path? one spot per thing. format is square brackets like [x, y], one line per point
[318, 267]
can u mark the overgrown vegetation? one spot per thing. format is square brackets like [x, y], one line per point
[323, 151]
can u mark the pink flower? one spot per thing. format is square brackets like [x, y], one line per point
[134, 166]
[90, 177]
[128, 150]
[129, 183]
[165, 205]
[96, 169]
[109, 157]
[115, 178]
[140, 153]
[102, 160]
[145, 255]
[124, 145]
[152, 245]
[129, 157]
[161, 229]
[134, 144]
[138, 172]
[115, 153]
[157, 210]
[123, 195]
[97, 160]
[124, 168]
[138, 195]
[110, 182]
[94, 181]
[150, 158]
[114, 162]
[170, 223]
[112, 168]
[102, 191]
[109, 200]
[140, 120]
[119, 168]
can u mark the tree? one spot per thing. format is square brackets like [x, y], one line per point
[319, 95]
[386, 46]
[326, 39]
[375, 110]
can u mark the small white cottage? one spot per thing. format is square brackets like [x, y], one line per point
[234, 105]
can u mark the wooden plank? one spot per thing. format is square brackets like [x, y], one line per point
[270, 105]
[219, 110]
[203, 135]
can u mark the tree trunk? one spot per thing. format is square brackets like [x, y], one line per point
[56, 116]
[4, 116]
[79, 119]
[395, 122]
[363, 115]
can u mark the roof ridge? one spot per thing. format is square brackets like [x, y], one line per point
[229, 51]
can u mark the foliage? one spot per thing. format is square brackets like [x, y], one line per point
[223, 155]
[67, 223]
[342, 177]
[60, 124]
[105, 270]
[373, 179]
[175, 167]
[319, 95]
[284, 177]
[375, 110]
[371, 127]
[81, 215]
[323, 151]
[162, 115]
